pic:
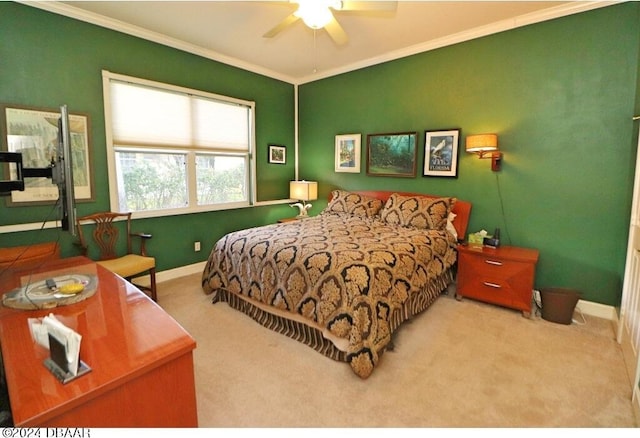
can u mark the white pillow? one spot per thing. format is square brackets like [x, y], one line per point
[450, 227]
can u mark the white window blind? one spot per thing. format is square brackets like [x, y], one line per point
[152, 117]
[174, 150]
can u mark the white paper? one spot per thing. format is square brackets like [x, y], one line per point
[39, 332]
[67, 337]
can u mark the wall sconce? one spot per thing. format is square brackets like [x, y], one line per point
[304, 191]
[486, 146]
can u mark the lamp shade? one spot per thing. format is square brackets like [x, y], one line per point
[303, 190]
[482, 143]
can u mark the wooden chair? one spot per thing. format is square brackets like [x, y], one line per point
[109, 241]
[28, 255]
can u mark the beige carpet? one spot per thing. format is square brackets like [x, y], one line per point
[459, 364]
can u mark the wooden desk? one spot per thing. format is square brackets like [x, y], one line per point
[141, 359]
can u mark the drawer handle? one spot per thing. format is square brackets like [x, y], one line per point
[493, 262]
[494, 285]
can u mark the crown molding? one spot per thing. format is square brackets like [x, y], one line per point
[478, 32]
[493, 28]
[129, 29]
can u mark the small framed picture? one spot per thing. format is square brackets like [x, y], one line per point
[441, 153]
[277, 154]
[348, 153]
[392, 154]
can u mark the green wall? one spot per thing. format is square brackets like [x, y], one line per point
[47, 60]
[559, 94]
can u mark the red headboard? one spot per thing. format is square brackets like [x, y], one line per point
[462, 209]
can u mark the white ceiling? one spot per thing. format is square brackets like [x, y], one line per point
[232, 31]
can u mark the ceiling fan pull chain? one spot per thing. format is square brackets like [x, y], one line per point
[315, 52]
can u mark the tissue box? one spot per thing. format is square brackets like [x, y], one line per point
[476, 239]
[479, 239]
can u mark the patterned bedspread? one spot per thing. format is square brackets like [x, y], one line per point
[356, 277]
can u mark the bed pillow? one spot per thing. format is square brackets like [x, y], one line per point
[417, 211]
[450, 227]
[353, 203]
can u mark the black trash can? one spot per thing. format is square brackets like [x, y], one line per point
[558, 304]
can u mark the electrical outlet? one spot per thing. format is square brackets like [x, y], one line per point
[196, 246]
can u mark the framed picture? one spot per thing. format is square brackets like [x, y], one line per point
[277, 154]
[348, 153]
[441, 153]
[392, 154]
[34, 133]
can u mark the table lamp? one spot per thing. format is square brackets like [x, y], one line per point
[303, 191]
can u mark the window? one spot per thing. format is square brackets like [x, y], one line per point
[173, 150]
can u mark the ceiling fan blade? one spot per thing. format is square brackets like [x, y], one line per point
[280, 27]
[367, 6]
[336, 32]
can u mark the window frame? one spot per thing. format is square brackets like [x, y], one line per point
[190, 152]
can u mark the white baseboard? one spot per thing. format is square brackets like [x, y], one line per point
[170, 274]
[598, 310]
[181, 271]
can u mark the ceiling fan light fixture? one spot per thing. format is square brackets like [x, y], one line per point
[315, 14]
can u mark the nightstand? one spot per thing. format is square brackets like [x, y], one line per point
[502, 276]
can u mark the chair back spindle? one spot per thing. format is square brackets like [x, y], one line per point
[107, 236]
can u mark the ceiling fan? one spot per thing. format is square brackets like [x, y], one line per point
[317, 15]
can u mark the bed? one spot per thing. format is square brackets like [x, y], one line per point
[344, 281]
